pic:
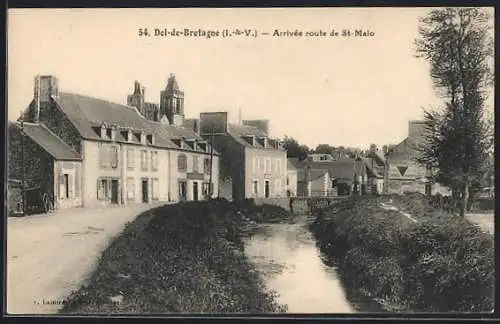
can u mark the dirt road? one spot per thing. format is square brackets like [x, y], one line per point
[485, 220]
[48, 256]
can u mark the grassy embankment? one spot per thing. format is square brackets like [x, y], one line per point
[441, 263]
[183, 258]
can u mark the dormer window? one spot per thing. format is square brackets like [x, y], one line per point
[103, 131]
[262, 141]
[130, 135]
[150, 139]
[202, 146]
[177, 142]
[250, 139]
[143, 138]
[112, 133]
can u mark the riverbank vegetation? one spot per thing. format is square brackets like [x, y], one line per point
[439, 263]
[182, 258]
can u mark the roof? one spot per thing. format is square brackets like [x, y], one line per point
[338, 169]
[87, 114]
[238, 132]
[172, 84]
[49, 141]
[313, 175]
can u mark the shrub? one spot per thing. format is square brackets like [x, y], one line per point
[443, 263]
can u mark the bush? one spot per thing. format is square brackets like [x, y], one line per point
[178, 258]
[443, 263]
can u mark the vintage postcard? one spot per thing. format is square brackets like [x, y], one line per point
[250, 161]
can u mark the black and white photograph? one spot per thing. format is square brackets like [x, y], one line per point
[249, 161]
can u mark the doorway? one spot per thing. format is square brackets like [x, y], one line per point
[182, 191]
[195, 190]
[114, 191]
[145, 191]
[266, 189]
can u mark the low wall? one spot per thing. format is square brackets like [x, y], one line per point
[300, 205]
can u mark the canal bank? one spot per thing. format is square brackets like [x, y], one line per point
[291, 264]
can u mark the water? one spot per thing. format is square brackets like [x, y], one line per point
[287, 256]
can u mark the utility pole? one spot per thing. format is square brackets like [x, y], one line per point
[210, 185]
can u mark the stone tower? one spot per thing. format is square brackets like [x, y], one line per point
[172, 102]
[136, 99]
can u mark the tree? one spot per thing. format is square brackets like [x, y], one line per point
[455, 42]
[294, 149]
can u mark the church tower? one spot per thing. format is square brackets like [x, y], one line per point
[136, 99]
[172, 102]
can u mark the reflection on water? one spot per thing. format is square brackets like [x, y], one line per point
[292, 266]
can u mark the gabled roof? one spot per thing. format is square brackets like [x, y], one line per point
[338, 169]
[87, 113]
[238, 132]
[49, 141]
[313, 174]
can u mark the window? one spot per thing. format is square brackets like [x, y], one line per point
[257, 164]
[268, 165]
[64, 191]
[156, 188]
[130, 158]
[208, 187]
[278, 166]
[114, 157]
[254, 164]
[278, 187]
[104, 156]
[287, 181]
[256, 188]
[206, 166]
[130, 188]
[182, 163]
[196, 167]
[102, 189]
[144, 160]
[154, 160]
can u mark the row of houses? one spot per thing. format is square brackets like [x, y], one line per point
[80, 151]
[392, 173]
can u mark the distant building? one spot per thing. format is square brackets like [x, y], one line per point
[313, 183]
[252, 164]
[319, 157]
[404, 173]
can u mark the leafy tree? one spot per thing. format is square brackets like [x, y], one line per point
[455, 42]
[294, 149]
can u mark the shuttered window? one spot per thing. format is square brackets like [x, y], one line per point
[206, 166]
[154, 161]
[114, 157]
[130, 159]
[182, 163]
[144, 160]
[156, 188]
[104, 156]
[196, 166]
[130, 188]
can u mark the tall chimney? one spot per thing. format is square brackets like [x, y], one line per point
[45, 88]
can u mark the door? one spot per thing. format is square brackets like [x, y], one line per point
[195, 190]
[266, 190]
[114, 191]
[182, 191]
[145, 191]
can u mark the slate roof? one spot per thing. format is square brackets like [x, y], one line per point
[238, 131]
[87, 114]
[338, 169]
[49, 141]
[313, 175]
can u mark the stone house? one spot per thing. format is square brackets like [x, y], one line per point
[125, 157]
[49, 167]
[252, 165]
[313, 183]
[404, 173]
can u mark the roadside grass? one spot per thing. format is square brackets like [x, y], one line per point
[443, 263]
[184, 258]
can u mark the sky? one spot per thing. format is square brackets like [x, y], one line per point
[350, 91]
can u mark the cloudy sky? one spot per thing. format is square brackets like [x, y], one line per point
[349, 91]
